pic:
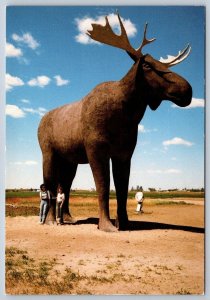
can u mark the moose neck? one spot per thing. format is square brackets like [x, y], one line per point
[133, 87]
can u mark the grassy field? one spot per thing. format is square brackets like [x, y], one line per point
[27, 203]
[131, 194]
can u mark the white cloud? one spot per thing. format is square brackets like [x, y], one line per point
[12, 51]
[177, 141]
[166, 171]
[26, 163]
[195, 103]
[141, 128]
[26, 39]
[82, 38]
[17, 163]
[84, 24]
[154, 171]
[172, 171]
[30, 162]
[14, 111]
[39, 111]
[25, 101]
[40, 81]
[12, 81]
[42, 109]
[17, 112]
[60, 81]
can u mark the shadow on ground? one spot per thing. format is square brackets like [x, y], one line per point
[143, 225]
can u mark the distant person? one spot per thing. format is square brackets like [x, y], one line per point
[44, 204]
[60, 201]
[139, 197]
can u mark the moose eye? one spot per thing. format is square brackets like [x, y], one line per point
[146, 66]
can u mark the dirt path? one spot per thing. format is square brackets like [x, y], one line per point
[163, 253]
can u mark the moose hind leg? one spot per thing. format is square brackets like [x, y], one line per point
[66, 177]
[121, 172]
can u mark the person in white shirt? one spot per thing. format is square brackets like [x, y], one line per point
[139, 197]
[44, 204]
[60, 200]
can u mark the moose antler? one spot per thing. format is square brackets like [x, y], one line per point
[174, 60]
[145, 41]
[105, 34]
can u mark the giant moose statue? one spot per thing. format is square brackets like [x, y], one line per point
[103, 126]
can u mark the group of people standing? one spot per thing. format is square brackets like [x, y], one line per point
[45, 198]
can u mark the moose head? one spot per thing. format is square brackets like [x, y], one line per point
[159, 81]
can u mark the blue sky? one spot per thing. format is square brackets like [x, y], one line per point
[51, 62]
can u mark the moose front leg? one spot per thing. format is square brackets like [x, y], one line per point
[121, 173]
[99, 162]
[66, 174]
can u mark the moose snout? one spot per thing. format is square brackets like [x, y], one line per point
[185, 95]
[181, 93]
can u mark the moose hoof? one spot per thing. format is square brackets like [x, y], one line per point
[107, 226]
[68, 219]
[72, 220]
[50, 222]
[122, 224]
